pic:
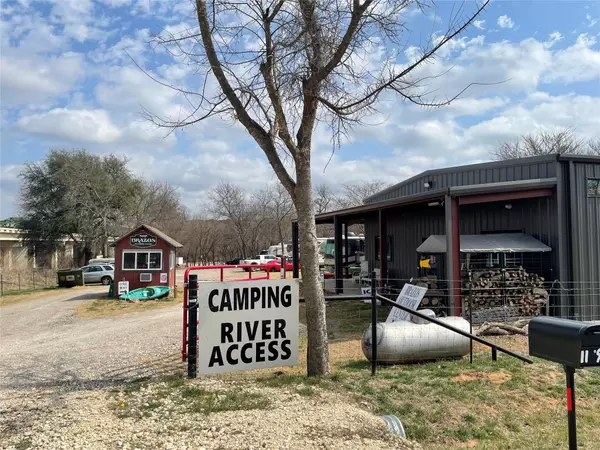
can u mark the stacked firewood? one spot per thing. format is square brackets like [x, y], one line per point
[516, 289]
[434, 295]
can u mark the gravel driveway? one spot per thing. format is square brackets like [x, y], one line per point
[60, 377]
[44, 345]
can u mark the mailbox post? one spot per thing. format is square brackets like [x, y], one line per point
[573, 344]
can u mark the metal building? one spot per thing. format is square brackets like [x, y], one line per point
[554, 199]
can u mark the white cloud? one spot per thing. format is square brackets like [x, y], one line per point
[553, 38]
[479, 24]
[9, 188]
[76, 125]
[505, 22]
[591, 20]
[39, 79]
[579, 62]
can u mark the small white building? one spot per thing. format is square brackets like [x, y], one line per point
[13, 254]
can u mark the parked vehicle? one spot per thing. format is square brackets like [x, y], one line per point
[95, 261]
[98, 273]
[233, 262]
[275, 265]
[356, 245]
[258, 259]
[277, 250]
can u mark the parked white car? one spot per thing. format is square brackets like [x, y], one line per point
[98, 273]
[258, 259]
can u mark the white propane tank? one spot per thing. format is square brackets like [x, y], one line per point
[403, 341]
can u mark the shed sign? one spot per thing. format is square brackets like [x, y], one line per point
[142, 240]
[411, 297]
[246, 326]
[593, 187]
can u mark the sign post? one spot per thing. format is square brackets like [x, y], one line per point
[247, 326]
[410, 297]
[122, 287]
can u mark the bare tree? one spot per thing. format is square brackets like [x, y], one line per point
[281, 67]
[354, 194]
[280, 210]
[544, 142]
[324, 198]
[230, 202]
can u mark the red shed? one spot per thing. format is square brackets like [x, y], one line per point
[145, 257]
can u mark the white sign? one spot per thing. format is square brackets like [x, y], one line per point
[123, 287]
[247, 325]
[163, 277]
[367, 291]
[410, 297]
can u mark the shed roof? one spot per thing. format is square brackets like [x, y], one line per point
[486, 243]
[156, 231]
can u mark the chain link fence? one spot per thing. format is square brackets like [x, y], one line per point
[13, 281]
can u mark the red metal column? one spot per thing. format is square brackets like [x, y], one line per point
[457, 285]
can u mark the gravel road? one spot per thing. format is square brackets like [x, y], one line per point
[44, 345]
[63, 380]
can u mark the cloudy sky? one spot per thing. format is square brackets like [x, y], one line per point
[67, 82]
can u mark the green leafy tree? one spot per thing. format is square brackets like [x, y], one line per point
[76, 194]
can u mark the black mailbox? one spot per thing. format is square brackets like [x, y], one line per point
[568, 342]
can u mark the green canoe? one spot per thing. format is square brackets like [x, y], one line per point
[147, 293]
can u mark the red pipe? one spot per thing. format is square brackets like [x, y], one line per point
[221, 267]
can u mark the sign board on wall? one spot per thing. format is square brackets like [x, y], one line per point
[123, 287]
[247, 326]
[593, 187]
[411, 297]
[163, 277]
[142, 240]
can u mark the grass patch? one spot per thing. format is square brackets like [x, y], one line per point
[203, 401]
[16, 296]
[452, 404]
[347, 319]
[142, 399]
[104, 306]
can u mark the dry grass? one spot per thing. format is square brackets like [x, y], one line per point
[505, 404]
[103, 306]
[33, 294]
[452, 404]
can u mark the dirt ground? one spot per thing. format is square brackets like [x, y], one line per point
[62, 379]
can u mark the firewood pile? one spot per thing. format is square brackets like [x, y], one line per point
[435, 293]
[515, 291]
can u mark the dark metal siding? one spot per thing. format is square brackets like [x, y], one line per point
[411, 226]
[585, 241]
[537, 217]
[526, 169]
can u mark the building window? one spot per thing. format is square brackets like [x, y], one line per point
[389, 250]
[140, 260]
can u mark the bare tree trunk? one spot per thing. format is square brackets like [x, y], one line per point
[318, 350]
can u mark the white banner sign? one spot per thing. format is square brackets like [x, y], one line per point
[410, 297]
[367, 291]
[163, 277]
[247, 325]
[123, 287]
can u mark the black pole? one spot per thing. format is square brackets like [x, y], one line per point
[192, 348]
[470, 318]
[476, 338]
[373, 324]
[570, 372]
[338, 255]
[295, 252]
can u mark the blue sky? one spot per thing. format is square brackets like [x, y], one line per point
[67, 82]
